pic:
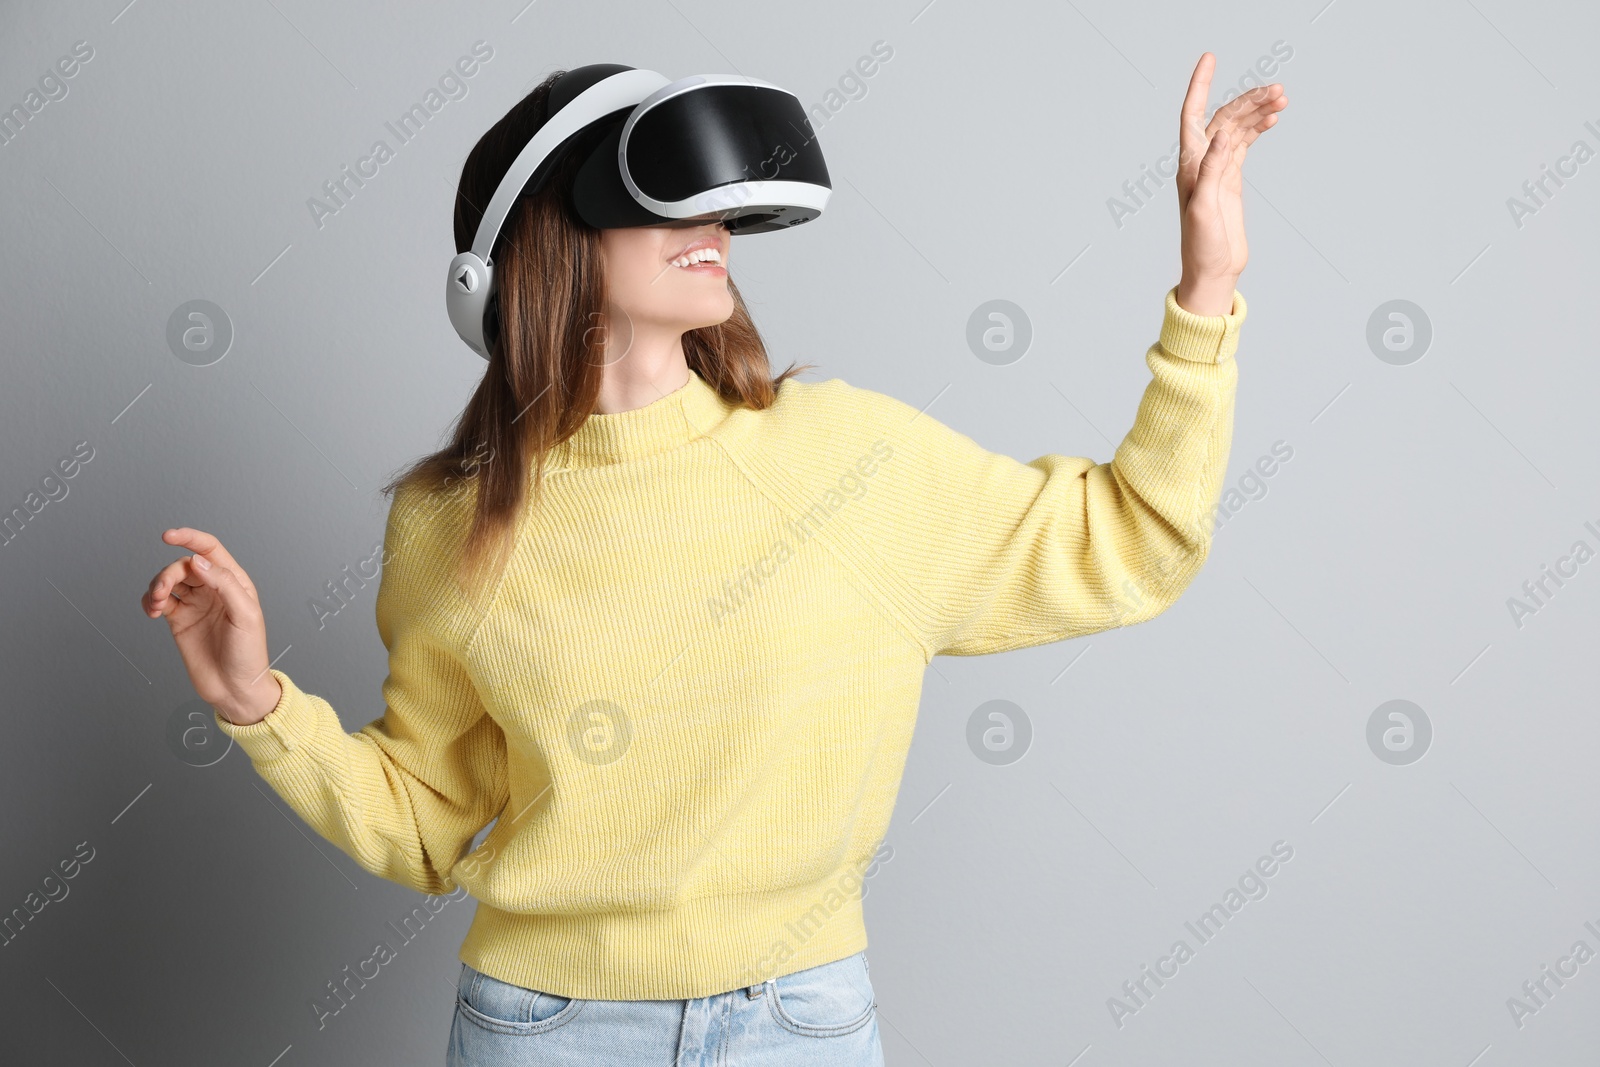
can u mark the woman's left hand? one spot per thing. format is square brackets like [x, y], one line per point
[1211, 186]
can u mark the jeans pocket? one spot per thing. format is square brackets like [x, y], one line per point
[824, 1001]
[505, 1008]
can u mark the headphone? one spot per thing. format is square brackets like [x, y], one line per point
[700, 149]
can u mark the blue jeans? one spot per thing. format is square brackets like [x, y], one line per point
[823, 1016]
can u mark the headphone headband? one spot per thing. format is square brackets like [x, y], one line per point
[618, 92]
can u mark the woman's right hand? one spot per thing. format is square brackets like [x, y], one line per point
[215, 618]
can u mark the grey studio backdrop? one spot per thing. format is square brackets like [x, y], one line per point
[1380, 689]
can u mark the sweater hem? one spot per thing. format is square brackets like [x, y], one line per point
[707, 946]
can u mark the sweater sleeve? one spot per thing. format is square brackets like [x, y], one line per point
[989, 554]
[404, 795]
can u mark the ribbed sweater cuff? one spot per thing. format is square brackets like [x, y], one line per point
[1201, 338]
[290, 724]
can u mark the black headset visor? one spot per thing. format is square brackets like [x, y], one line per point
[695, 141]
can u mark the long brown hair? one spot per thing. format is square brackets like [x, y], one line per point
[545, 367]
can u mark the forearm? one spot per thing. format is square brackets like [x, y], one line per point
[398, 808]
[1167, 474]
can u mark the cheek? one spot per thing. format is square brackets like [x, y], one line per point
[629, 285]
[630, 264]
[648, 289]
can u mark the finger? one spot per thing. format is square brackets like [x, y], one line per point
[204, 544]
[1244, 135]
[201, 544]
[174, 600]
[241, 606]
[1208, 183]
[176, 597]
[1246, 124]
[1251, 99]
[161, 586]
[1247, 110]
[1245, 138]
[1192, 134]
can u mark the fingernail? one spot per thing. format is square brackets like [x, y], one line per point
[203, 563]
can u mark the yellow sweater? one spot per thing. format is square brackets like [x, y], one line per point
[689, 702]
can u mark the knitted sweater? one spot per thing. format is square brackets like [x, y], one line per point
[688, 703]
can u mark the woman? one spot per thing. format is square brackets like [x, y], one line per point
[664, 619]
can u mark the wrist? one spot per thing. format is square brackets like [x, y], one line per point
[1207, 296]
[255, 706]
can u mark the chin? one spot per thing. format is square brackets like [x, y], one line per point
[710, 313]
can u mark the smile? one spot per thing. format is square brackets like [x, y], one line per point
[701, 261]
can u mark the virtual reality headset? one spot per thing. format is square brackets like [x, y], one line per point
[700, 149]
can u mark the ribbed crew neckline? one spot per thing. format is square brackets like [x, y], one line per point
[688, 412]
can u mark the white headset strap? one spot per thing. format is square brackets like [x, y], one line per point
[623, 89]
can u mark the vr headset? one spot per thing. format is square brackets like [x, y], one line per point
[659, 153]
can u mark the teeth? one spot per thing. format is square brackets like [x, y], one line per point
[699, 255]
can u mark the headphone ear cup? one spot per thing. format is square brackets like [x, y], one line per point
[491, 321]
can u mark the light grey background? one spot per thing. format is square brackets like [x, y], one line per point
[1165, 757]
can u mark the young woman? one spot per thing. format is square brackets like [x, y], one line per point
[663, 619]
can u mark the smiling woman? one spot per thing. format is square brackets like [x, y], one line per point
[678, 807]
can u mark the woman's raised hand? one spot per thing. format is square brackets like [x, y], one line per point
[1211, 186]
[211, 606]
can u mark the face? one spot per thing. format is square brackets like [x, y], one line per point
[653, 290]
